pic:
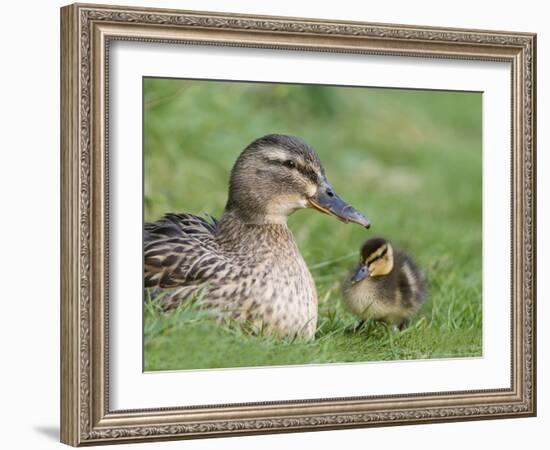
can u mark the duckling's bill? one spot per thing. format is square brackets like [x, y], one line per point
[360, 274]
[328, 202]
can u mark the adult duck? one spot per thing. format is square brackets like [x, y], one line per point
[247, 265]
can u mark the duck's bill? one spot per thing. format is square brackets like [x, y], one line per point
[360, 274]
[328, 202]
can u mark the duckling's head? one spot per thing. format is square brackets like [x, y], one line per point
[278, 174]
[376, 259]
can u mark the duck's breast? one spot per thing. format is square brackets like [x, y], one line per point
[276, 292]
[287, 296]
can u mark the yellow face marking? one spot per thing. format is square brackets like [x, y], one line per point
[377, 253]
[378, 264]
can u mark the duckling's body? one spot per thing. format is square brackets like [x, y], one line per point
[387, 285]
[247, 266]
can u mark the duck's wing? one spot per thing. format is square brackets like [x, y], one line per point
[181, 253]
[411, 282]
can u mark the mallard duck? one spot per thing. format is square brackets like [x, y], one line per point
[247, 265]
[387, 285]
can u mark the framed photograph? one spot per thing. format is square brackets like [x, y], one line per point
[275, 224]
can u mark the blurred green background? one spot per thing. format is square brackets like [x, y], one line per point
[409, 159]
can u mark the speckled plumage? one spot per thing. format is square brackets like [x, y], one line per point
[247, 266]
[394, 297]
[250, 272]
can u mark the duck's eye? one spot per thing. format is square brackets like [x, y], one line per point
[289, 163]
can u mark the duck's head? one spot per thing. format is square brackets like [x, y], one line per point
[376, 259]
[278, 174]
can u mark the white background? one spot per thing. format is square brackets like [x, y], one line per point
[132, 389]
[29, 177]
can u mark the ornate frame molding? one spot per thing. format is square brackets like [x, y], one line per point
[86, 31]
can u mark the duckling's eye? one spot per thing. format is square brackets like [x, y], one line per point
[290, 164]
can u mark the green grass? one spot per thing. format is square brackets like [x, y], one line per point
[409, 159]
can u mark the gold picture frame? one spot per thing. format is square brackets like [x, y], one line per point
[86, 33]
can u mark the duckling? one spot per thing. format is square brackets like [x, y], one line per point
[387, 285]
[247, 265]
